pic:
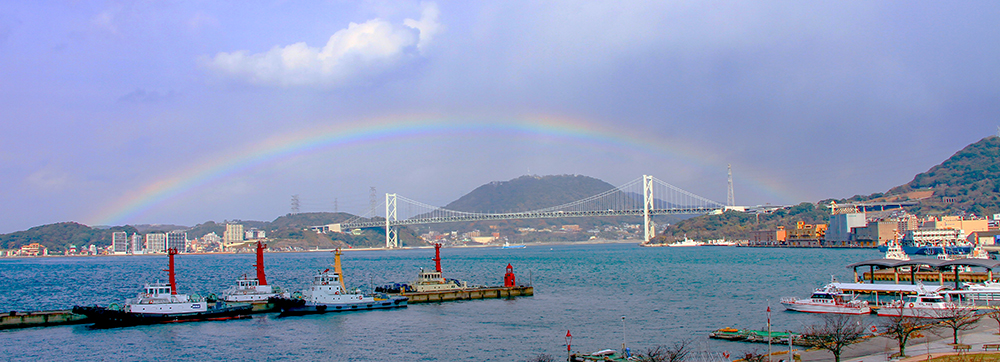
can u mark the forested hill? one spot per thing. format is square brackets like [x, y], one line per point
[58, 236]
[528, 193]
[968, 181]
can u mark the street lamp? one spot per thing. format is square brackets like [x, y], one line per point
[569, 342]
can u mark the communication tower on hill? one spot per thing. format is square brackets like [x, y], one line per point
[371, 200]
[730, 198]
[295, 204]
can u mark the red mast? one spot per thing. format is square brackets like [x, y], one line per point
[261, 279]
[437, 257]
[173, 281]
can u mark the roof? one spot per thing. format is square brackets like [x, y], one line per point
[893, 263]
[883, 288]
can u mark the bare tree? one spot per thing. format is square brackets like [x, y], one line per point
[675, 353]
[901, 329]
[995, 314]
[958, 318]
[837, 332]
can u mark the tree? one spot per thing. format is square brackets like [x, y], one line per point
[837, 332]
[901, 329]
[995, 314]
[543, 358]
[959, 318]
[675, 353]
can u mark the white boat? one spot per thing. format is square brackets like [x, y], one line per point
[506, 245]
[719, 242]
[252, 289]
[988, 290]
[159, 302]
[828, 299]
[327, 293]
[686, 242]
[922, 305]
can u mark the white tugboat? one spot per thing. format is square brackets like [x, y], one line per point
[828, 299]
[252, 290]
[329, 294]
[160, 303]
[924, 304]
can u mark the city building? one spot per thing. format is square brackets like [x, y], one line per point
[254, 234]
[33, 249]
[806, 234]
[137, 244]
[156, 243]
[957, 223]
[119, 243]
[841, 225]
[177, 239]
[876, 233]
[233, 234]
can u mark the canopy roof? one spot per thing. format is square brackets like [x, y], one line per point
[893, 263]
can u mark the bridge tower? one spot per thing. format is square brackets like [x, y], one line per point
[391, 233]
[649, 229]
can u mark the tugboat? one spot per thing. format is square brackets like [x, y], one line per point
[160, 303]
[431, 286]
[252, 290]
[329, 294]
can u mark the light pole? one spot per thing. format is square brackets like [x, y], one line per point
[569, 343]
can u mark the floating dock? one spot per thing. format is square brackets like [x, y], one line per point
[16, 319]
[468, 294]
[755, 336]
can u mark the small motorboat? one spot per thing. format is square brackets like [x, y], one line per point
[828, 299]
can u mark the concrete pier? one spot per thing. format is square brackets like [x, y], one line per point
[16, 319]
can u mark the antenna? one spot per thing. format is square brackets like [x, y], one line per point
[335, 209]
[371, 200]
[730, 197]
[295, 204]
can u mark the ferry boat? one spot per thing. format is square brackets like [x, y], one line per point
[506, 245]
[329, 294]
[828, 299]
[922, 305]
[160, 303]
[255, 289]
[988, 290]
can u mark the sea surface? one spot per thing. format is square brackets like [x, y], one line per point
[665, 294]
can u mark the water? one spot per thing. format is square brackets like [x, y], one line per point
[666, 295]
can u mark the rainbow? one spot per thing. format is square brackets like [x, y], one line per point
[306, 141]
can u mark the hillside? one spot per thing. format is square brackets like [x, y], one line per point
[527, 193]
[966, 183]
[57, 237]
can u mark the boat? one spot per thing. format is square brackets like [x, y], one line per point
[432, 286]
[988, 290]
[252, 289]
[160, 303]
[924, 304]
[719, 242]
[328, 293]
[506, 245]
[828, 299]
[686, 242]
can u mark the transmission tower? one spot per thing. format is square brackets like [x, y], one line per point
[372, 200]
[730, 197]
[335, 205]
[295, 204]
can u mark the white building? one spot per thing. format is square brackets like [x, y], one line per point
[234, 234]
[119, 243]
[137, 246]
[156, 243]
[254, 234]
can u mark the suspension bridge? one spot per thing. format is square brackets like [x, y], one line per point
[645, 196]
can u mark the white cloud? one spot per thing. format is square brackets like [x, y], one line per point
[48, 179]
[351, 54]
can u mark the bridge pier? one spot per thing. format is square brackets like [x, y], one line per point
[391, 233]
[649, 228]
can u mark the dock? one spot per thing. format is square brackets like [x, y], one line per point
[468, 294]
[756, 336]
[16, 319]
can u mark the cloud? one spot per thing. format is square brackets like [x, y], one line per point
[362, 50]
[144, 96]
[48, 179]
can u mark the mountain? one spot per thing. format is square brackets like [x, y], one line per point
[528, 193]
[57, 237]
[967, 183]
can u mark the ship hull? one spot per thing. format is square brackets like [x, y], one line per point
[290, 307]
[104, 317]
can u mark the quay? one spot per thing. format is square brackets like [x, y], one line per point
[469, 294]
[16, 319]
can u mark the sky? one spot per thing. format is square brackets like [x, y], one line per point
[162, 112]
